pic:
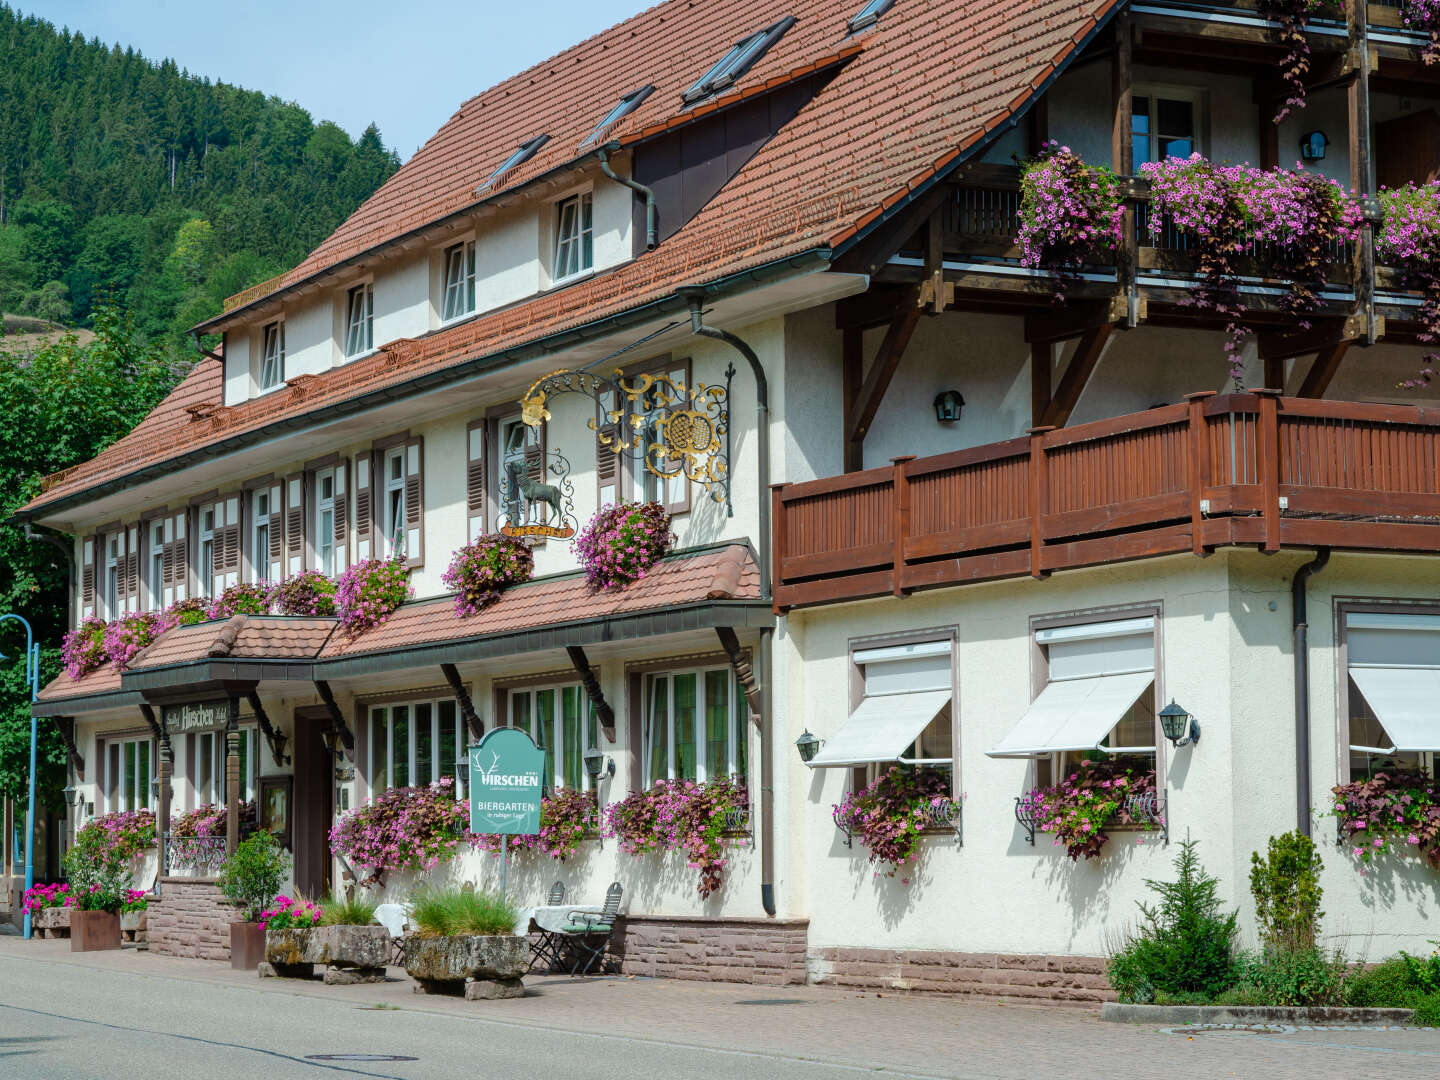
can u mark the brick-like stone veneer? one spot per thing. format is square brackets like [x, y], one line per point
[1078, 980]
[767, 952]
[191, 918]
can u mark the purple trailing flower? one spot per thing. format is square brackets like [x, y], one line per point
[1409, 238]
[1294, 16]
[368, 592]
[118, 836]
[306, 593]
[1080, 807]
[241, 599]
[1070, 213]
[210, 821]
[680, 815]
[1400, 806]
[622, 542]
[412, 828]
[481, 569]
[124, 638]
[83, 649]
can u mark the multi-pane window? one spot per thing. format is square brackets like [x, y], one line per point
[415, 743]
[392, 506]
[359, 320]
[206, 549]
[114, 566]
[694, 726]
[272, 357]
[130, 767]
[157, 565]
[1392, 684]
[206, 756]
[736, 62]
[645, 416]
[1164, 124]
[325, 521]
[459, 281]
[260, 517]
[574, 237]
[563, 723]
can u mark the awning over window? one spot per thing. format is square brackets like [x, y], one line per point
[1406, 701]
[881, 729]
[1076, 714]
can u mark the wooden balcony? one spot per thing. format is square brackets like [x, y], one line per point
[1254, 469]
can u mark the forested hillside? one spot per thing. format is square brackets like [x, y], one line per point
[132, 180]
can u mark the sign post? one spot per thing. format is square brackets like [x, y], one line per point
[506, 768]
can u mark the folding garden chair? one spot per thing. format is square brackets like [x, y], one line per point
[546, 946]
[588, 932]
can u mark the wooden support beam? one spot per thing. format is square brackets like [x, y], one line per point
[1077, 375]
[1038, 128]
[1318, 380]
[744, 673]
[337, 718]
[149, 714]
[275, 739]
[462, 696]
[935, 263]
[852, 377]
[603, 712]
[1122, 153]
[66, 726]
[1322, 335]
[876, 307]
[877, 380]
[1073, 320]
[1274, 373]
[1042, 364]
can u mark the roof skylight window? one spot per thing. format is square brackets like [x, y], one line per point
[737, 61]
[869, 15]
[623, 108]
[523, 153]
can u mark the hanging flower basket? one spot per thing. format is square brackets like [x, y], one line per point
[680, 815]
[1424, 16]
[241, 599]
[1395, 808]
[124, 638]
[413, 828]
[1071, 213]
[1096, 796]
[1294, 16]
[1409, 238]
[83, 649]
[306, 593]
[187, 612]
[622, 542]
[368, 592]
[888, 815]
[479, 571]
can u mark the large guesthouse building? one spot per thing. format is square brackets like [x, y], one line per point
[924, 514]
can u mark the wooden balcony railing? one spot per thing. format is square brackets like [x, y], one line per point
[1215, 470]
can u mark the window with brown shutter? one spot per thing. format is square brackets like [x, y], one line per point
[177, 558]
[87, 576]
[644, 416]
[414, 503]
[277, 534]
[364, 506]
[294, 524]
[475, 508]
[132, 569]
[342, 517]
[607, 461]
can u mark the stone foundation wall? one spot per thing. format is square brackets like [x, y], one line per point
[1077, 980]
[768, 952]
[191, 918]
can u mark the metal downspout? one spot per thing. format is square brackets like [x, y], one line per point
[652, 225]
[1299, 609]
[204, 351]
[696, 297]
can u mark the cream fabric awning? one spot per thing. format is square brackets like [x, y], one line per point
[1406, 701]
[1076, 714]
[881, 729]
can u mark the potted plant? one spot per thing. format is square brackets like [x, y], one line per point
[49, 907]
[465, 943]
[481, 570]
[341, 934]
[100, 882]
[622, 542]
[133, 921]
[248, 878]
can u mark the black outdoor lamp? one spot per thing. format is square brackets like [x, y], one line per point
[948, 404]
[808, 745]
[1179, 726]
[596, 763]
[1312, 146]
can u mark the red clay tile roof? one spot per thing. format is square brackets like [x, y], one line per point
[103, 680]
[931, 81]
[721, 573]
[242, 637]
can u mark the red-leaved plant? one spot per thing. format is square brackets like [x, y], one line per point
[1091, 799]
[1395, 806]
[412, 828]
[480, 570]
[306, 593]
[621, 542]
[680, 815]
[889, 814]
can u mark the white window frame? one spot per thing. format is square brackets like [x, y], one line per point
[272, 356]
[128, 790]
[207, 752]
[1197, 99]
[155, 532]
[359, 321]
[553, 738]
[260, 526]
[392, 504]
[458, 297]
[380, 732]
[1373, 757]
[114, 574]
[736, 719]
[325, 525]
[864, 653]
[205, 540]
[573, 254]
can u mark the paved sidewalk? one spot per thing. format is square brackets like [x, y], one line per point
[915, 1035]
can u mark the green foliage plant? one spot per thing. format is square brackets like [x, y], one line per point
[1287, 892]
[454, 912]
[99, 873]
[1293, 977]
[254, 873]
[347, 911]
[1184, 943]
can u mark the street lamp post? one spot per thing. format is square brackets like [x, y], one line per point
[32, 676]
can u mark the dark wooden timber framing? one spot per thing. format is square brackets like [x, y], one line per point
[852, 375]
[882, 368]
[149, 714]
[66, 726]
[1122, 147]
[462, 696]
[275, 739]
[1208, 472]
[603, 711]
[1083, 361]
[337, 718]
[740, 664]
[232, 776]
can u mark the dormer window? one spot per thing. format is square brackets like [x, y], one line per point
[359, 320]
[574, 237]
[272, 357]
[737, 61]
[869, 15]
[522, 154]
[623, 108]
[459, 281]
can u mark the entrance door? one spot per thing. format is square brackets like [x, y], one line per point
[314, 795]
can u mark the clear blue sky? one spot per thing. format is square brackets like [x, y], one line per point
[404, 64]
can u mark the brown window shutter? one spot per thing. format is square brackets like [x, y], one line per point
[341, 534]
[132, 568]
[475, 508]
[294, 524]
[180, 564]
[90, 546]
[277, 533]
[607, 464]
[232, 548]
[364, 506]
[415, 503]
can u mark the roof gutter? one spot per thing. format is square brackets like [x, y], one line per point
[674, 304]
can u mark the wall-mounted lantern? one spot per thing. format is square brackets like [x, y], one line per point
[808, 745]
[596, 763]
[1312, 146]
[948, 404]
[1179, 726]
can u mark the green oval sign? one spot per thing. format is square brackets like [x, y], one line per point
[505, 783]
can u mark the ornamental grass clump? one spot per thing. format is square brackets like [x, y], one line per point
[414, 828]
[121, 835]
[622, 542]
[1395, 808]
[306, 593]
[241, 599]
[82, 650]
[680, 815]
[1409, 238]
[1071, 213]
[368, 592]
[290, 913]
[347, 911]
[889, 814]
[455, 912]
[124, 638]
[479, 571]
[1096, 796]
[567, 817]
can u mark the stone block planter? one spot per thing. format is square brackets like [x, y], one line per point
[51, 922]
[247, 945]
[91, 931]
[351, 954]
[133, 925]
[480, 968]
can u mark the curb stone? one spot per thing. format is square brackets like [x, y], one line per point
[1251, 1015]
